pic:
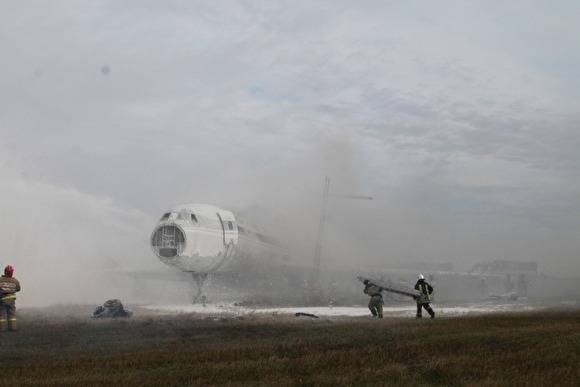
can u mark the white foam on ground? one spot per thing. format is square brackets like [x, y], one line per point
[225, 309]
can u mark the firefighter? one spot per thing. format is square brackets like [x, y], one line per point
[8, 288]
[425, 291]
[376, 301]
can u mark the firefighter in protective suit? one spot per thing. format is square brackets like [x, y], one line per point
[8, 288]
[376, 301]
[425, 290]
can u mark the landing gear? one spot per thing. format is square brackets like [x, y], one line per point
[199, 279]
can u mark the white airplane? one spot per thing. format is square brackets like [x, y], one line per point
[203, 239]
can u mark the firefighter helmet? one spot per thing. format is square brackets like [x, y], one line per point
[8, 271]
[420, 276]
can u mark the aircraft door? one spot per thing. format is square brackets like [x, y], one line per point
[229, 227]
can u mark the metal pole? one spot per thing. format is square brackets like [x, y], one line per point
[320, 236]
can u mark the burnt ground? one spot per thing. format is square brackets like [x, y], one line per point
[61, 346]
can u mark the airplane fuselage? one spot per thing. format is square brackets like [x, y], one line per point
[203, 238]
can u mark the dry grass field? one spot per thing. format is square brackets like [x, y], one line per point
[541, 348]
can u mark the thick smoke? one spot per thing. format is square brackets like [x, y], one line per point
[111, 114]
[65, 244]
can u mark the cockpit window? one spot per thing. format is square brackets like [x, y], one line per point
[193, 218]
[230, 225]
[166, 216]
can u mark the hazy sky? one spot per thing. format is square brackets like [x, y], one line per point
[461, 117]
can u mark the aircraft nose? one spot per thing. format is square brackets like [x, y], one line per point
[168, 241]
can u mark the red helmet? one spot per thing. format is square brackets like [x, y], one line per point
[8, 271]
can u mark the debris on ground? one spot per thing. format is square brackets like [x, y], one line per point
[111, 309]
[302, 314]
